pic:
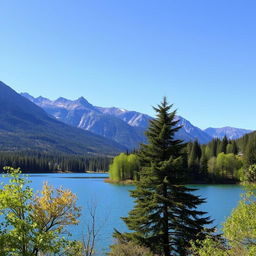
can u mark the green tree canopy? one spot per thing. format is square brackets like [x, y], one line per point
[239, 232]
[124, 167]
[250, 152]
[32, 225]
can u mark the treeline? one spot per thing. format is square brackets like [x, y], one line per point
[222, 160]
[247, 144]
[219, 161]
[46, 162]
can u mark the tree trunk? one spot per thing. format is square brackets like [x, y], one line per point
[166, 222]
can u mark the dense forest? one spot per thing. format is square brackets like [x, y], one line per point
[45, 162]
[219, 161]
[222, 160]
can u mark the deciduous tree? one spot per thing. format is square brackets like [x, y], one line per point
[35, 224]
[239, 232]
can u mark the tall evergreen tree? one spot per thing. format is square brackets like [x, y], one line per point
[224, 144]
[164, 217]
[234, 147]
[250, 152]
[194, 159]
[203, 165]
[213, 147]
[195, 154]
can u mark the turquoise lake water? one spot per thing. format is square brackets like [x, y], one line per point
[113, 201]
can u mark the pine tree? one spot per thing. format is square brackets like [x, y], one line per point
[213, 147]
[194, 159]
[164, 217]
[234, 147]
[224, 144]
[203, 165]
[250, 152]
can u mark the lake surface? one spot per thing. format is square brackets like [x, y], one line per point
[113, 201]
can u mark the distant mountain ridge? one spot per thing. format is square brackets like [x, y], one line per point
[25, 126]
[124, 126]
[231, 132]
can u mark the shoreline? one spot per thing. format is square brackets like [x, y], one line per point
[132, 182]
[57, 172]
[124, 182]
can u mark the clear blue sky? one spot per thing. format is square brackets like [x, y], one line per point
[201, 54]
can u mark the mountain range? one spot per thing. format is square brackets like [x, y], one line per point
[25, 126]
[78, 127]
[230, 132]
[123, 126]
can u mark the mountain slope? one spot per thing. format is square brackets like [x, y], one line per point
[81, 114]
[132, 118]
[125, 127]
[25, 126]
[190, 132]
[231, 132]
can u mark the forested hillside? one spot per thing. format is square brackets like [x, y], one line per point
[25, 126]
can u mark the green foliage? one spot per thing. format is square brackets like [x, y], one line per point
[212, 165]
[209, 247]
[203, 165]
[164, 217]
[194, 158]
[124, 167]
[224, 144]
[227, 164]
[239, 232]
[129, 249]
[213, 146]
[249, 174]
[35, 224]
[250, 153]
[232, 148]
[221, 160]
[52, 162]
[240, 227]
[194, 155]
